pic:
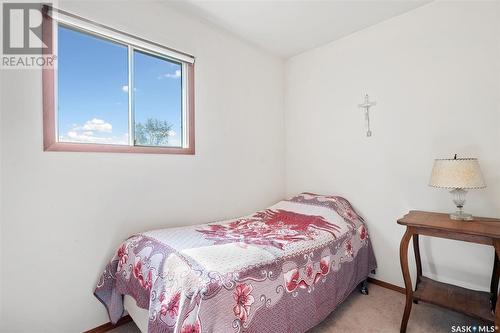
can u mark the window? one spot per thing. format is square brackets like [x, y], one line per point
[92, 104]
[112, 92]
[157, 101]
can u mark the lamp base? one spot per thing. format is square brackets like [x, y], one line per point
[459, 215]
[459, 201]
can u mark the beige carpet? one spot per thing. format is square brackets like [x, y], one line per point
[380, 311]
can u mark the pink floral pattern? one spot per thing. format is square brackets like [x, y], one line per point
[244, 300]
[324, 266]
[363, 234]
[349, 251]
[293, 282]
[270, 227]
[147, 282]
[170, 307]
[122, 254]
[191, 328]
[309, 271]
[306, 276]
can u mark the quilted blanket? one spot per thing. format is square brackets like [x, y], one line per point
[283, 269]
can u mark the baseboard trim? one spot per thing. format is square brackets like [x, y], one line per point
[126, 319]
[108, 326]
[387, 285]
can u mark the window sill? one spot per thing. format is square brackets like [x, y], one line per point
[100, 148]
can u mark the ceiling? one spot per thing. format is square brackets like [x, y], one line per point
[287, 28]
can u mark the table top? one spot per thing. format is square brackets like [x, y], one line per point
[481, 226]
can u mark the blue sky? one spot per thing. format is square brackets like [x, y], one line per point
[93, 90]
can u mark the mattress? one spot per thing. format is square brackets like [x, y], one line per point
[282, 269]
[140, 316]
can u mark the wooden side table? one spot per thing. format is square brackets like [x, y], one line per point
[478, 304]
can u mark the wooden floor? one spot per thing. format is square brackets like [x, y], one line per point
[380, 311]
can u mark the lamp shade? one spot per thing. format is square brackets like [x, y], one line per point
[457, 173]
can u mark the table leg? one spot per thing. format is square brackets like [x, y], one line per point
[496, 243]
[403, 256]
[494, 282]
[416, 250]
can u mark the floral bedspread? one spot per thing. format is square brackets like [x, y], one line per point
[283, 269]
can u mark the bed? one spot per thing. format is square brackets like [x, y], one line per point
[280, 270]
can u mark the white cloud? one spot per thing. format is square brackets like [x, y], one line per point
[93, 131]
[171, 133]
[97, 125]
[125, 88]
[74, 136]
[175, 75]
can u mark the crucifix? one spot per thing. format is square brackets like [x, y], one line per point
[366, 105]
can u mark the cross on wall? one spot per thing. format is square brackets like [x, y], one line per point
[366, 105]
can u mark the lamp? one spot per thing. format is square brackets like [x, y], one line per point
[458, 174]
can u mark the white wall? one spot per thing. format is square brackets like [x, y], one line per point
[435, 74]
[1, 202]
[1, 188]
[65, 213]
